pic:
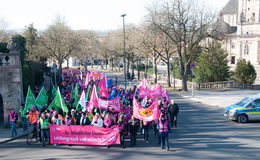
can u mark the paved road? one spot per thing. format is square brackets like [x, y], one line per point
[203, 133]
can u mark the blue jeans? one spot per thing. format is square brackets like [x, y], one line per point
[146, 133]
[164, 140]
[45, 134]
[13, 129]
[25, 124]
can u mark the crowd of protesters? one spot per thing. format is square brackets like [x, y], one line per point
[128, 124]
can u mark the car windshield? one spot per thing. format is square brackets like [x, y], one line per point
[244, 101]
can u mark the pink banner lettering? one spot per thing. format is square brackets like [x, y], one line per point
[84, 135]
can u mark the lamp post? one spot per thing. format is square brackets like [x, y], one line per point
[123, 16]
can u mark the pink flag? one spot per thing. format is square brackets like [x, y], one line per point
[87, 80]
[97, 102]
[103, 83]
[146, 114]
[103, 92]
[166, 95]
[143, 84]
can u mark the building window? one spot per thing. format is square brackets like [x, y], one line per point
[248, 8]
[233, 46]
[253, 14]
[233, 60]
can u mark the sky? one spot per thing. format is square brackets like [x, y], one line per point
[100, 15]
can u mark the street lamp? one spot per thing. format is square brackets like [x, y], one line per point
[123, 16]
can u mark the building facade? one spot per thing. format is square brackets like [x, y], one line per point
[11, 88]
[243, 17]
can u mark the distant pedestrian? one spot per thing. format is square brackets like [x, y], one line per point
[13, 117]
[24, 118]
[173, 110]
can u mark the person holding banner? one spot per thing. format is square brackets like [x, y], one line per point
[84, 119]
[133, 124]
[108, 121]
[123, 129]
[97, 120]
[145, 126]
[164, 130]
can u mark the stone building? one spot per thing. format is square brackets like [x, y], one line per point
[11, 95]
[243, 18]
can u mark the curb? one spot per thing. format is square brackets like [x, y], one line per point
[11, 139]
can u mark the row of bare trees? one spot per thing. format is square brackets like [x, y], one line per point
[172, 30]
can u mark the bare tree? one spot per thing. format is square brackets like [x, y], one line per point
[148, 44]
[59, 41]
[3, 33]
[186, 26]
[87, 47]
[111, 45]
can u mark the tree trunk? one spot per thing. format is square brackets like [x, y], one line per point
[86, 67]
[168, 73]
[112, 64]
[155, 69]
[58, 76]
[146, 68]
[132, 68]
[128, 66]
[138, 69]
[106, 62]
[67, 62]
[92, 62]
[184, 83]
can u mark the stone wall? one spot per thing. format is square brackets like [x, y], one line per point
[11, 82]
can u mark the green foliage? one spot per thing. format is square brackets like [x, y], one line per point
[3, 47]
[212, 65]
[175, 68]
[30, 34]
[244, 72]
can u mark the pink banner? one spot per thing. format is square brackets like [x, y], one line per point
[84, 135]
[156, 91]
[95, 75]
[146, 114]
[97, 102]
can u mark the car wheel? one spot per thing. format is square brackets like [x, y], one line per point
[242, 118]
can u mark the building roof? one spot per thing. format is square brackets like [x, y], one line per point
[230, 8]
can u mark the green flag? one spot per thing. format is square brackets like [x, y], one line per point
[75, 95]
[88, 93]
[53, 91]
[52, 105]
[42, 99]
[30, 100]
[59, 102]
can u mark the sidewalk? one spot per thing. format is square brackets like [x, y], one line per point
[219, 98]
[5, 134]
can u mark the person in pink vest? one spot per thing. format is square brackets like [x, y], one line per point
[108, 121]
[13, 117]
[164, 130]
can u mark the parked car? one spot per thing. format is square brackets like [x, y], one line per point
[245, 110]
